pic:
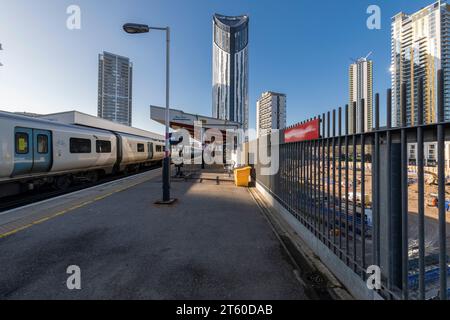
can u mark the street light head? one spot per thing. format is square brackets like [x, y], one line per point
[134, 28]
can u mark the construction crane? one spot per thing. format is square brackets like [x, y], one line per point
[368, 55]
[362, 59]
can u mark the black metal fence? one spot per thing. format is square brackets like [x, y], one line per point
[364, 198]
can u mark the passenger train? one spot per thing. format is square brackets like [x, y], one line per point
[35, 152]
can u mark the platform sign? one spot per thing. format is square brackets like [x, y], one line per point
[303, 132]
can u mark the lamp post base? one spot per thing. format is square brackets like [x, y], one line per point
[166, 203]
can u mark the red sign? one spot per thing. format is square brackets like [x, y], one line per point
[303, 132]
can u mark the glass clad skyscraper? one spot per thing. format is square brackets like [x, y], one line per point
[230, 68]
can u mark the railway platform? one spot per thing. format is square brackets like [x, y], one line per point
[214, 243]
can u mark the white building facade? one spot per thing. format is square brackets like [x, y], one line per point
[270, 112]
[230, 69]
[361, 87]
[430, 150]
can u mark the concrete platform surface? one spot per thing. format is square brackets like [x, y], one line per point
[213, 244]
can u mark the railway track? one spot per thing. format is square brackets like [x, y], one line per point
[47, 192]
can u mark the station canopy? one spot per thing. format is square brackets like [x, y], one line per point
[182, 120]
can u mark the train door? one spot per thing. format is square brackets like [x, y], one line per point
[23, 151]
[42, 151]
[150, 150]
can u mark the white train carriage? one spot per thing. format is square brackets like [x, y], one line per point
[138, 151]
[35, 151]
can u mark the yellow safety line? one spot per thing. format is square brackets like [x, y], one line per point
[60, 213]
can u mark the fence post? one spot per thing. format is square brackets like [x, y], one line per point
[389, 183]
[376, 183]
[391, 214]
[404, 192]
[443, 268]
[421, 191]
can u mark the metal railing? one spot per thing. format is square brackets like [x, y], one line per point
[356, 194]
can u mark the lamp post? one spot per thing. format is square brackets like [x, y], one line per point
[133, 28]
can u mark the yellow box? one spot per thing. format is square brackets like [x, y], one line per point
[242, 176]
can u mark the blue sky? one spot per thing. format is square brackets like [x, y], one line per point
[302, 48]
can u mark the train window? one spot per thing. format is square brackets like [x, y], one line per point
[103, 146]
[158, 149]
[80, 145]
[140, 147]
[42, 144]
[21, 143]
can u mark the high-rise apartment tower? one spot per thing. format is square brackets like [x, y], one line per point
[270, 113]
[115, 79]
[420, 46]
[361, 87]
